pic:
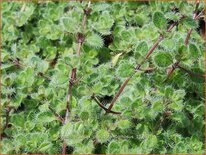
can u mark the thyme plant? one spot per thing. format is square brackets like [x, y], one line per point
[102, 77]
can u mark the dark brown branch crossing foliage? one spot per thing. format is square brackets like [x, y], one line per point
[138, 67]
[80, 40]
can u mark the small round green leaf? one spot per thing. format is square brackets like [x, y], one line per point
[159, 20]
[102, 135]
[162, 59]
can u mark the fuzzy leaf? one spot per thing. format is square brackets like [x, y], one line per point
[162, 59]
[102, 135]
[159, 20]
[94, 40]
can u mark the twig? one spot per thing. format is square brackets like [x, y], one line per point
[80, 35]
[69, 94]
[16, 62]
[194, 17]
[57, 115]
[197, 3]
[150, 51]
[188, 36]
[68, 100]
[44, 76]
[174, 66]
[8, 109]
[118, 94]
[199, 15]
[86, 13]
[98, 102]
[190, 72]
[80, 40]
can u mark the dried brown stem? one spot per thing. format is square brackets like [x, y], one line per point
[16, 62]
[44, 76]
[69, 94]
[150, 51]
[172, 26]
[197, 3]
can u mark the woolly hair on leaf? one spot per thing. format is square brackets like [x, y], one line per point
[162, 59]
[94, 40]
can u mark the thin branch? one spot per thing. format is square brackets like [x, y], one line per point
[68, 100]
[80, 40]
[8, 109]
[57, 115]
[118, 94]
[200, 14]
[173, 25]
[138, 67]
[190, 72]
[188, 36]
[16, 62]
[150, 51]
[194, 17]
[98, 102]
[44, 76]
[172, 69]
[86, 13]
[197, 3]
[69, 94]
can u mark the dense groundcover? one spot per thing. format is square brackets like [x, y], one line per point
[102, 77]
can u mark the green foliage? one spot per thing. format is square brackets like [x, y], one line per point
[159, 20]
[102, 135]
[162, 59]
[39, 51]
